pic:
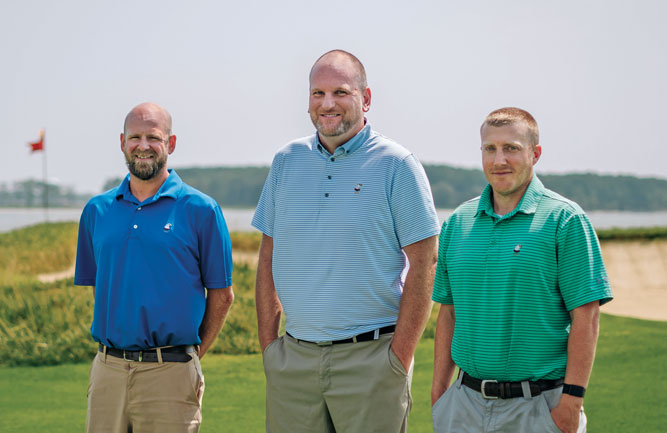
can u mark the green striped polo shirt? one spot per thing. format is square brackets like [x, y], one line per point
[512, 281]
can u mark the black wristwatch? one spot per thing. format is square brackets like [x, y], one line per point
[575, 390]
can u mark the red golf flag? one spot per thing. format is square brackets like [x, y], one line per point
[37, 146]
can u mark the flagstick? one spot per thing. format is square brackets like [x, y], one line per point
[46, 185]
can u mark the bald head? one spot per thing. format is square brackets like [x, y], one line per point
[340, 58]
[150, 113]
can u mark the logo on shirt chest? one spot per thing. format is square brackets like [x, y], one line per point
[357, 188]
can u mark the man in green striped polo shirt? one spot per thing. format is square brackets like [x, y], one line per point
[521, 280]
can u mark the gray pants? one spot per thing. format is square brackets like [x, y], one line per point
[463, 410]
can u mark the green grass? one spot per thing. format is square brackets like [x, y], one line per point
[632, 234]
[42, 324]
[47, 247]
[49, 323]
[626, 392]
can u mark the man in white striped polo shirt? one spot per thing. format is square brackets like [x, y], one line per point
[341, 211]
[521, 280]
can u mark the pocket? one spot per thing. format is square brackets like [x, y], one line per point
[440, 399]
[266, 349]
[396, 363]
[90, 374]
[549, 421]
[196, 377]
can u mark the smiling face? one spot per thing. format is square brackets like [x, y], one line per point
[508, 159]
[147, 141]
[337, 103]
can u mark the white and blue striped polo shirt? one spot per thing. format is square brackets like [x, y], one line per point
[339, 223]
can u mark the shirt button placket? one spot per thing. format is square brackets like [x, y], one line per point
[326, 194]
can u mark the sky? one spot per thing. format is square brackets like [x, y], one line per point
[234, 76]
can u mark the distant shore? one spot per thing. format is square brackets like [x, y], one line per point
[238, 219]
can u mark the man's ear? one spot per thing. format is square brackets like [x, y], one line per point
[366, 94]
[537, 152]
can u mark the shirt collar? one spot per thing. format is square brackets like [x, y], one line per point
[170, 188]
[527, 205]
[350, 146]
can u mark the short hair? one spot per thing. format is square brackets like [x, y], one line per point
[511, 115]
[361, 71]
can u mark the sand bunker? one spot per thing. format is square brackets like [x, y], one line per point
[638, 275]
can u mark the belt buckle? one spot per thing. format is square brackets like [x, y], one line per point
[324, 343]
[130, 360]
[483, 390]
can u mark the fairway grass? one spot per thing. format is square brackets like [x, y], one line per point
[626, 393]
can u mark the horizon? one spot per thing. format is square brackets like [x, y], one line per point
[267, 166]
[235, 80]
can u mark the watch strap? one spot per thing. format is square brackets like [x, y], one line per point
[575, 390]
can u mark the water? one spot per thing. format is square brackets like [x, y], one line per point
[239, 219]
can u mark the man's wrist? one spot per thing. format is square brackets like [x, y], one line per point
[574, 390]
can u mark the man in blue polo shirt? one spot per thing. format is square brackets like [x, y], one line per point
[521, 280]
[343, 212]
[158, 254]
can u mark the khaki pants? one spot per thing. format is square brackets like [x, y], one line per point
[463, 410]
[143, 397]
[343, 388]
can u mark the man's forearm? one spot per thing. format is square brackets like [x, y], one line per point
[416, 302]
[580, 355]
[267, 303]
[581, 343]
[443, 365]
[218, 302]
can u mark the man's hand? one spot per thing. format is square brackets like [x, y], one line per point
[566, 413]
[267, 303]
[443, 365]
[416, 303]
[218, 302]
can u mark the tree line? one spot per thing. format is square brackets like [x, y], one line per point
[451, 186]
[240, 187]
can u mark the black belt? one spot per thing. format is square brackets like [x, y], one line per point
[169, 354]
[366, 336]
[492, 389]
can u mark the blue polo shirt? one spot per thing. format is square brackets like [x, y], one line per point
[339, 223]
[150, 263]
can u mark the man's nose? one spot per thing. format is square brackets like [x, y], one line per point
[143, 143]
[500, 157]
[328, 102]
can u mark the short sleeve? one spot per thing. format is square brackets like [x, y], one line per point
[215, 251]
[582, 277]
[411, 203]
[86, 268]
[442, 292]
[265, 211]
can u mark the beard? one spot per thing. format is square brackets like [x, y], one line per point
[346, 123]
[145, 170]
[341, 129]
